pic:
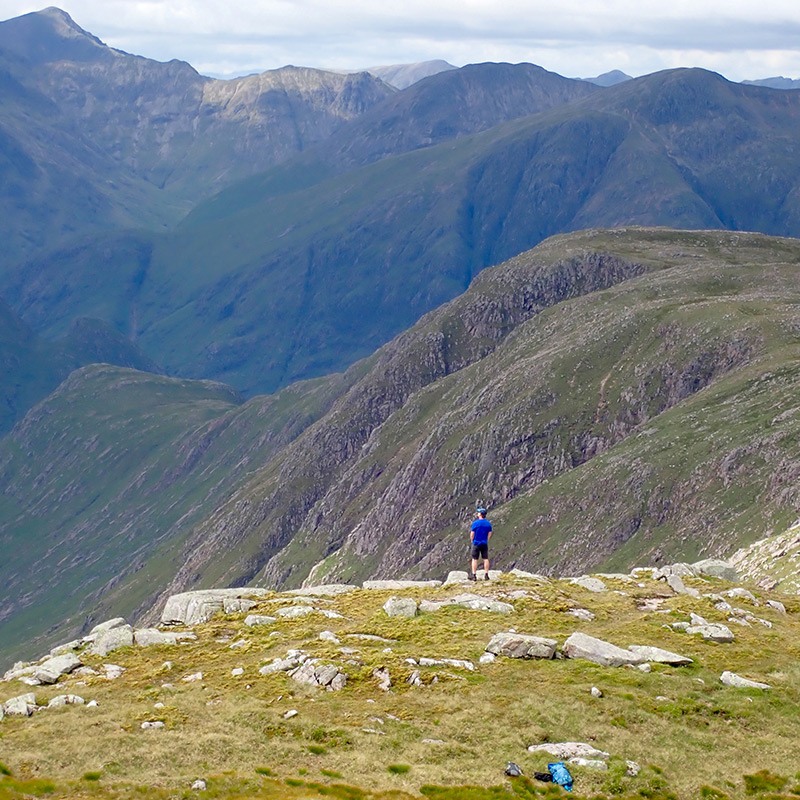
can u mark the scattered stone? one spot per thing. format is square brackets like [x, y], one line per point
[112, 639]
[199, 785]
[158, 706]
[716, 568]
[151, 725]
[712, 632]
[633, 769]
[738, 682]
[19, 670]
[279, 665]
[327, 676]
[251, 620]
[679, 626]
[675, 582]
[237, 671]
[237, 605]
[108, 625]
[742, 594]
[52, 669]
[21, 706]
[400, 607]
[519, 645]
[325, 590]
[383, 677]
[329, 614]
[650, 604]
[487, 658]
[644, 668]
[193, 678]
[582, 614]
[92, 704]
[145, 637]
[329, 636]
[293, 612]
[777, 605]
[474, 602]
[414, 678]
[369, 637]
[581, 645]
[290, 714]
[67, 647]
[113, 671]
[659, 656]
[589, 583]
[394, 585]
[434, 741]
[447, 662]
[591, 763]
[66, 700]
[680, 569]
[568, 750]
[595, 692]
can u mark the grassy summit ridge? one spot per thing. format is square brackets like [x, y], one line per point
[690, 735]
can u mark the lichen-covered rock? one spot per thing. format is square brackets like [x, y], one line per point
[581, 645]
[279, 665]
[325, 590]
[568, 750]
[146, 637]
[22, 705]
[589, 583]
[252, 620]
[326, 676]
[66, 700]
[716, 568]
[520, 645]
[396, 585]
[659, 656]
[738, 682]
[712, 632]
[112, 639]
[52, 669]
[194, 608]
[383, 677]
[237, 605]
[400, 607]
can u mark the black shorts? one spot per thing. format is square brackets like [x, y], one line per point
[480, 550]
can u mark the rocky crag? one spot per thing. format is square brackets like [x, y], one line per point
[397, 685]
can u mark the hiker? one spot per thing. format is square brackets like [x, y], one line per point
[479, 534]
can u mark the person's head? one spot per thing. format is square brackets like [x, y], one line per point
[481, 512]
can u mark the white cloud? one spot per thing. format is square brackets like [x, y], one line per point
[739, 38]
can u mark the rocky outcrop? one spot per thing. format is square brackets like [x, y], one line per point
[400, 607]
[192, 608]
[738, 682]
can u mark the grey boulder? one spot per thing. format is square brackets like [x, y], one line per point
[52, 669]
[738, 682]
[581, 645]
[520, 645]
[400, 607]
[21, 706]
[145, 637]
[112, 639]
[716, 568]
[659, 656]
[401, 584]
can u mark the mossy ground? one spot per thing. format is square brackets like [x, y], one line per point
[683, 727]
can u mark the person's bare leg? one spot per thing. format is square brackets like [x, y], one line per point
[486, 569]
[474, 565]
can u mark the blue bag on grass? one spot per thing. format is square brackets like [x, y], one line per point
[560, 775]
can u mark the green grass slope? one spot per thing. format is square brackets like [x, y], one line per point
[446, 739]
[101, 481]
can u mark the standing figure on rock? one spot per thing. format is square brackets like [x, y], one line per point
[479, 534]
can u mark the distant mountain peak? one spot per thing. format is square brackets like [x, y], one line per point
[401, 76]
[611, 78]
[49, 35]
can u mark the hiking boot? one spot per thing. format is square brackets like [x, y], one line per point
[473, 576]
[486, 576]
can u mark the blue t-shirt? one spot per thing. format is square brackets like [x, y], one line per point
[481, 528]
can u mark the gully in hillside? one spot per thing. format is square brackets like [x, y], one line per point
[479, 534]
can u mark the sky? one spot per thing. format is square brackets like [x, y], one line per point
[742, 39]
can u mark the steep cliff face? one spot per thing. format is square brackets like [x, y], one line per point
[549, 364]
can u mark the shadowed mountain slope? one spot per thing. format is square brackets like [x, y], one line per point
[33, 367]
[610, 395]
[302, 270]
[131, 141]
